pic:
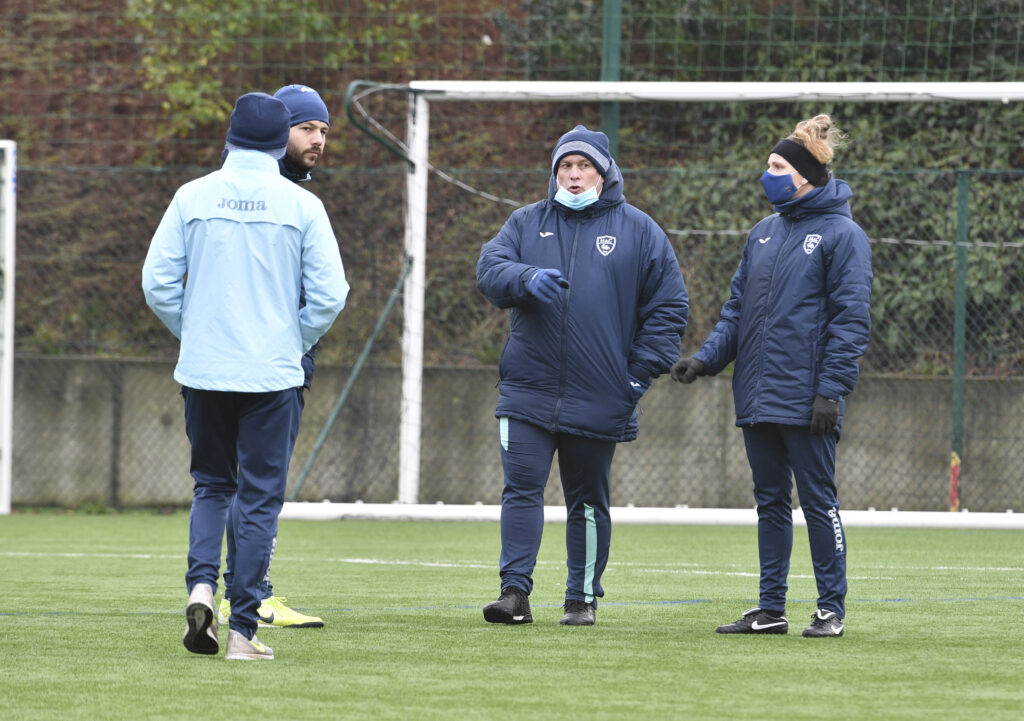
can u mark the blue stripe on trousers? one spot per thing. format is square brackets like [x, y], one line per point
[585, 466]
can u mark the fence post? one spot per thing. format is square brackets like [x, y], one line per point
[963, 186]
[117, 432]
[611, 69]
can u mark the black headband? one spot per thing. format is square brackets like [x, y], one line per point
[800, 158]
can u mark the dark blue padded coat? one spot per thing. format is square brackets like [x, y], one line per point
[799, 317]
[568, 366]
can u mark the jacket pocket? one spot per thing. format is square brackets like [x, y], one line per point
[637, 389]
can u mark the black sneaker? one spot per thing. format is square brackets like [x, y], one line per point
[823, 624]
[578, 613]
[756, 621]
[512, 606]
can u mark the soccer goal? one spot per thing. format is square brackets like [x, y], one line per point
[415, 149]
[8, 194]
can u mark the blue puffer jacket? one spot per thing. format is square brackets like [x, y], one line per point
[581, 364]
[798, 318]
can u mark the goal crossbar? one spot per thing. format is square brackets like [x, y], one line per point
[512, 90]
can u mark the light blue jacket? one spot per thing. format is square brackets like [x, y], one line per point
[246, 239]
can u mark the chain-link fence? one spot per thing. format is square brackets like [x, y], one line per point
[98, 418]
[115, 103]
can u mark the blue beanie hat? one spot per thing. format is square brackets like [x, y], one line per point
[303, 103]
[591, 144]
[259, 122]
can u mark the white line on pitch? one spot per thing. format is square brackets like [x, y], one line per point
[650, 568]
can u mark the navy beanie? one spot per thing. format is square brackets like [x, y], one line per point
[303, 103]
[259, 122]
[591, 144]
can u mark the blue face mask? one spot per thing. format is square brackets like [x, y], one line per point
[778, 188]
[577, 202]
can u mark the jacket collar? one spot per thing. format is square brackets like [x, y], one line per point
[292, 171]
[250, 160]
[833, 197]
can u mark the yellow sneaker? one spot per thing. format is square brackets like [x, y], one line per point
[274, 614]
[224, 611]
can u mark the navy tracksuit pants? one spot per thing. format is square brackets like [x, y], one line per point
[266, 587]
[242, 444]
[778, 454]
[585, 466]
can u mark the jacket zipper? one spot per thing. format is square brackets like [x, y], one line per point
[764, 321]
[565, 324]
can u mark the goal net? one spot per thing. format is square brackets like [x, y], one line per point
[922, 156]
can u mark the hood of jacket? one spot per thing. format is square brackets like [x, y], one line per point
[833, 197]
[294, 174]
[611, 193]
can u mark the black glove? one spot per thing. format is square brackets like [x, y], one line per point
[545, 284]
[824, 415]
[686, 370]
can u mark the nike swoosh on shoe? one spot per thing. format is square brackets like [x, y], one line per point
[755, 626]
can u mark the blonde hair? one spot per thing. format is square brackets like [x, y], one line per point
[820, 137]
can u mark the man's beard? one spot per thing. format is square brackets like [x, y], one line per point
[297, 165]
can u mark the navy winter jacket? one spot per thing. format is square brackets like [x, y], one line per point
[799, 315]
[581, 364]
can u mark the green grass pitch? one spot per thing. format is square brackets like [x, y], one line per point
[91, 618]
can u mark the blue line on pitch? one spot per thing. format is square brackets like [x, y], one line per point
[477, 607]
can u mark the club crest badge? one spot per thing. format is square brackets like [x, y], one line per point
[811, 242]
[605, 244]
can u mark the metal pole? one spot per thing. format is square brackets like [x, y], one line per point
[611, 69]
[963, 186]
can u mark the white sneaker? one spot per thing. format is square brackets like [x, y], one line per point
[242, 649]
[200, 625]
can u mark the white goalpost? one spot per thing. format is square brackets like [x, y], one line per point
[423, 93]
[710, 92]
[8, 194]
